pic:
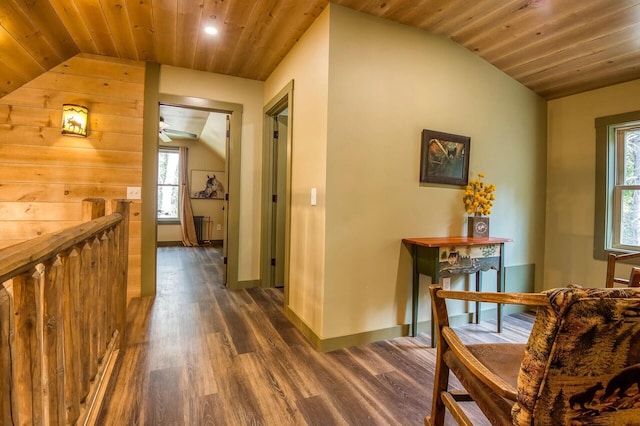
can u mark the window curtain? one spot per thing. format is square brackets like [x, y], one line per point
[189, 238]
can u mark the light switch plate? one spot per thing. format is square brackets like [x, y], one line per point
[314, 196]
[133, 193]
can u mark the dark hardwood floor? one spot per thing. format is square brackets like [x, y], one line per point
[199, 354]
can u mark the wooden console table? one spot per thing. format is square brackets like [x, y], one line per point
[447, 256]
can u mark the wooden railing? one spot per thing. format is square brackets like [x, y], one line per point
[62, 318]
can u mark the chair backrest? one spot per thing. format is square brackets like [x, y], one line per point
[582, 362]
[611, 269]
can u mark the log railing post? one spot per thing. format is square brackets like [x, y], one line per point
[122, 240]
[6, 330]
[25, 347]
[71, 315]
[92, 208]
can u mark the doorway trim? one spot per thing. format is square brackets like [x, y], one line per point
[281, 101]
[153, 99]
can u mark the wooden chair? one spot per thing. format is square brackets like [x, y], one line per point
[581, 362]
[634, 278]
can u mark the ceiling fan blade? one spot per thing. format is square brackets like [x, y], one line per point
[180, 133]
[163, 137]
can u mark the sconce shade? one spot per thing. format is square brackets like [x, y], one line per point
[74, 120]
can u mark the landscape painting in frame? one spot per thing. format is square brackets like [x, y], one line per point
[444, 158]
[207, 185]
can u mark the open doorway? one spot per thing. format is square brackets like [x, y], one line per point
[276, 202]
[149, 221]
[201, 136]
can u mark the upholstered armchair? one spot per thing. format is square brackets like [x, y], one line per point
[580, 366]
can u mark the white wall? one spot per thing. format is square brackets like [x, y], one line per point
[571, 183]
[387, 82]
[249, 93]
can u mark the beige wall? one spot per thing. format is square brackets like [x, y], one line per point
[571, 183]
[44, 176]
[249, 93]
[387, 82]
[307, 64]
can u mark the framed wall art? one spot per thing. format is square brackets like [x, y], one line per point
[444, 158]
[207, 185]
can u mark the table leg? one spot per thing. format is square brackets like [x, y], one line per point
[433, 327]
[478, 288]
[500, 286]
[415, 291]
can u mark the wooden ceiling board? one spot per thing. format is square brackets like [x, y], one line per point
[290, 21]
[253, 29]
[24, 33]
[15, 63]
[91, 14]
[117, 17]
[48, 29]
[554, 67]
[207, 44]
[187, 29]
[564, 35]
[222, 19]
[467, 15]
[431, 14]
[70, 17]
[589, 78]
[236, 21]
[261, 35]
[554, 47]
[140, 14]
[165, 14]
[513, 19]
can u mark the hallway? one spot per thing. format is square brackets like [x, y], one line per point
[199, 354]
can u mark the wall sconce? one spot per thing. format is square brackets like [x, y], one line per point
[74, 120]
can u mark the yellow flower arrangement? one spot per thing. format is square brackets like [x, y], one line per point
[478, 198]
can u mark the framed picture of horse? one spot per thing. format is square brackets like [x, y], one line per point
[207, 185]
[444, 158]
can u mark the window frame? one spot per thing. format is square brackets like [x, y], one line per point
[607, 188]
[168, 220]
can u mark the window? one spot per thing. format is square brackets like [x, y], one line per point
[168, 184]
[626, 194]
[617, 226]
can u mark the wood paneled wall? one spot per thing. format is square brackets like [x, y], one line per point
[44, 175]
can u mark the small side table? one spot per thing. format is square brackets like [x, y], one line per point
[447, 256]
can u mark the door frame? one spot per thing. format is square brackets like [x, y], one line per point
[153, 99]
[283, 100]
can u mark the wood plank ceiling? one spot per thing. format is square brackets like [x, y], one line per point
[554, 47]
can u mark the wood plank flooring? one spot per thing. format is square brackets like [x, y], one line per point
[199, 354]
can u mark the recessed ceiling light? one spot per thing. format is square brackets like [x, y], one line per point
[211, 30]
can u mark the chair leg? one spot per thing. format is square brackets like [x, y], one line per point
[440, 385]
[441, 378]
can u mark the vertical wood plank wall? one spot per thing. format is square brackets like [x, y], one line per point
[44, 176]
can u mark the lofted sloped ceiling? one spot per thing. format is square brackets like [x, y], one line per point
[554, 47]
